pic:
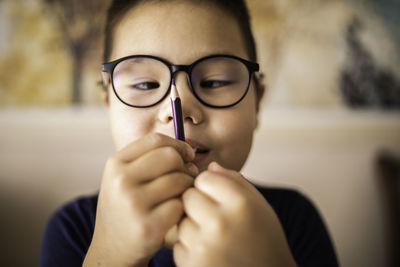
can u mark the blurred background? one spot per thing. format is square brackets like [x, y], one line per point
[330, 121]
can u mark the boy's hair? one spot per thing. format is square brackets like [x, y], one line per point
[235, 8]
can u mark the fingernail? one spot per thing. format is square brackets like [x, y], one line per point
[214, 166]
[194, 171]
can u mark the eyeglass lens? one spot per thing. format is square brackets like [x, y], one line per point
[143, 81]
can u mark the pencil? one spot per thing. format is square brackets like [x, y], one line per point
[177, 113]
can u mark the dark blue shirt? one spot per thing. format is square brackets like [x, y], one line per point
[69, 232]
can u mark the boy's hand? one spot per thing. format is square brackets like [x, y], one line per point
[139, 200]
[229, 223]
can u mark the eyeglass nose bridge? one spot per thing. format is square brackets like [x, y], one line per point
[177, 68]
[185, 68]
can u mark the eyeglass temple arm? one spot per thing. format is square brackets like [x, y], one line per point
[106, 74]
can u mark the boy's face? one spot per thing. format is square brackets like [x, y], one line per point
[182, 33]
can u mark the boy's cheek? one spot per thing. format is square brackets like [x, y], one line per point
[233, 144]
[129, 124]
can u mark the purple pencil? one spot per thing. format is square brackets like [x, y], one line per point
[177, 113]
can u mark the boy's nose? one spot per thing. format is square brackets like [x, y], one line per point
[192, 109]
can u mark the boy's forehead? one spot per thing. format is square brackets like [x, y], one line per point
[179, 33]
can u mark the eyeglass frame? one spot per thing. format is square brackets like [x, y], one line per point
[252, 67]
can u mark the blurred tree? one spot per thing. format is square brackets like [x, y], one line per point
[364, 84]
[80, 23]
[28, 56]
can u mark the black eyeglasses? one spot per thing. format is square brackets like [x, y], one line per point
[217, 81]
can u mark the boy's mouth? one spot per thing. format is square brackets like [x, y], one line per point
[201, 150]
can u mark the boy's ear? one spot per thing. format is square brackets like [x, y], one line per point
[260, 90]
[260, 94]
[104, 97]
[105, 84]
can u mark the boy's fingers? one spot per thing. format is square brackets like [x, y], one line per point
[198, 206]
[166, 187]
[180, 254]
[151, 142]
[219, 187]
[168, 212]
[187, 230]
[217, 168]
[156, 163]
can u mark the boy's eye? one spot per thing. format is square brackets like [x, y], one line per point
[146, 85]
[210, 84]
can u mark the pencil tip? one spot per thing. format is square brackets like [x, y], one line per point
[174, 92]
[173, 82]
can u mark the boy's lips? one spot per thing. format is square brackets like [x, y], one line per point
[201, 150]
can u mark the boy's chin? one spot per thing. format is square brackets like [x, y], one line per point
[171, 238]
